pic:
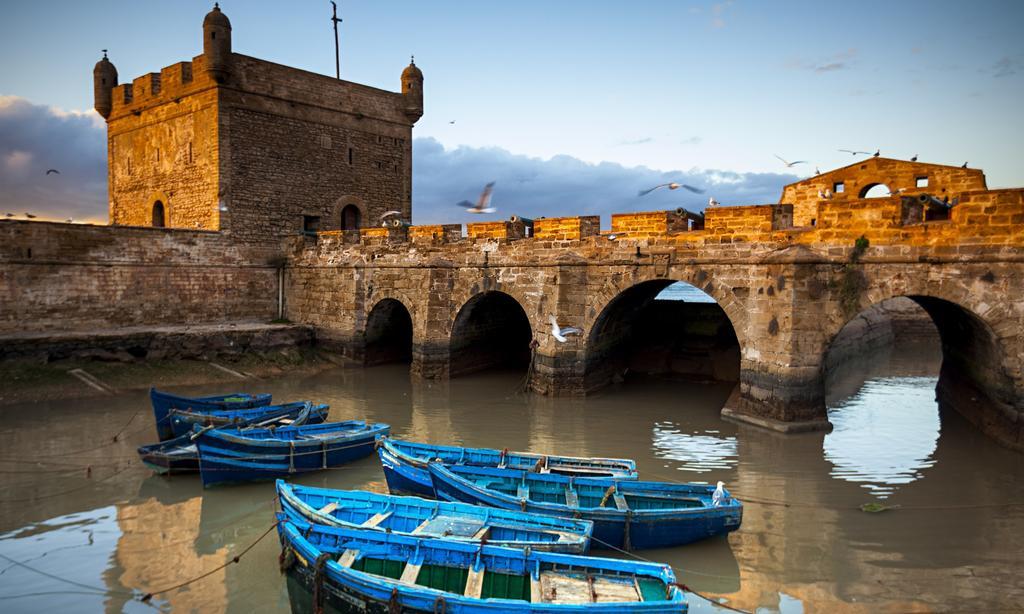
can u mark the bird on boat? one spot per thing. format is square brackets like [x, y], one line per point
[790, 164]
[672, 186]
[719, 495]
[482, 203]
[854, 152]
[559, 332]
[52, 171]
[712, 202]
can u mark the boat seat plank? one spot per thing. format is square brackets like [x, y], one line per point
[376, 519]
[572, 498]
[620, 503]
[475, 583]
[607, 589]
[348, 557]
[330, 507]
[421, 527]
[536, 592]
[565, 589]
[410, 573]
[523, 491]
[482, 533]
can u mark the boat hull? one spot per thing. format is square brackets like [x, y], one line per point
[613, 528]
[405, 478]
[182, 422]
[164, 402]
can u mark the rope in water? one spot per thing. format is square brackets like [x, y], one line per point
[677, 570]
[145, 598]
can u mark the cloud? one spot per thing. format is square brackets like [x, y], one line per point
[693, 140]
[640, 141]
[836, 62]
[1007, 65]
[564, 185]
[35, 138]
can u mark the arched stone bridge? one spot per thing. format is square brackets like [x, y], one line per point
[464, 303]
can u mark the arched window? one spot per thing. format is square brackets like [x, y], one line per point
[158, 214]
[351, 218]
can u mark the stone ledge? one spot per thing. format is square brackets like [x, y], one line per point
[800, 426]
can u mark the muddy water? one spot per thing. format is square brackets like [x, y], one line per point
[94, 538]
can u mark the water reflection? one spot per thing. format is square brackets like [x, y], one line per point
[886, 434]
[698, 453]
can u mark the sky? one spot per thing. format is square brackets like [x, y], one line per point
[572, 106]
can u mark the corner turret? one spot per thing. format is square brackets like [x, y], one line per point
[104, 80]
[412, 90]
[217, 44]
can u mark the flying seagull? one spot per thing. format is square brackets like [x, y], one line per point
[452, 122]
[672, 186]
[712, 202]
[52, 170]
[481, 204]
[559, 332]
[852, 152]
[388, 214]
[790, 164]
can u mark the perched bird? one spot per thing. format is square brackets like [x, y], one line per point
[853, 152]
[828, 193]
[718, 496]
[30, 216]
[821, 195]
[877, 153]
[8, 215]
[712, 202]
[611, 237]
[482, 202]
[790, 164]
[672, 186]
[52, 171]
[913, 158]
[70, 220]
[964, 165]
[559, 333]
[816, 171]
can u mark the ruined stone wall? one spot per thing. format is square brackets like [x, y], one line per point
[900, 176]
[300, 144]
[72, 277]
[162, 144]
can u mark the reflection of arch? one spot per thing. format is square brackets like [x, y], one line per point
[490, 330]
[636, 332]
[158, 214]
[875, 190]
[388, 333]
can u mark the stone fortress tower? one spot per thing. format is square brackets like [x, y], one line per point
[233, 143]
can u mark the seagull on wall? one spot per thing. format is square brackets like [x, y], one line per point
[672, 186]
[8, 214]
[913, 158]
[854, 152]
[964, 165]
[52, 171]
[877, 153]
[30, 216]
[712, 202]
[482, 203]
[559, 332]
[816, 171]
[790, 164]
[388, 214]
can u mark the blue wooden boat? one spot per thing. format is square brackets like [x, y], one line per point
[180, 455]
[414, 516]
[405, 464]
[182, 420]
[626, 513]
[164, 402]
[239, 455]
[354, 570]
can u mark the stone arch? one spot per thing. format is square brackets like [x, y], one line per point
[159, 210]
[349, 209]
[874, 189]
[490, 329]
[388, 333]
[621, 335]
[979, 350]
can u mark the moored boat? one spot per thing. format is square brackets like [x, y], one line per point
[627, 514]
[238, 455]
[426, 518]
[164, 402]
[340, 569]
[182, 420]
[180, 455]
[405, 464]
